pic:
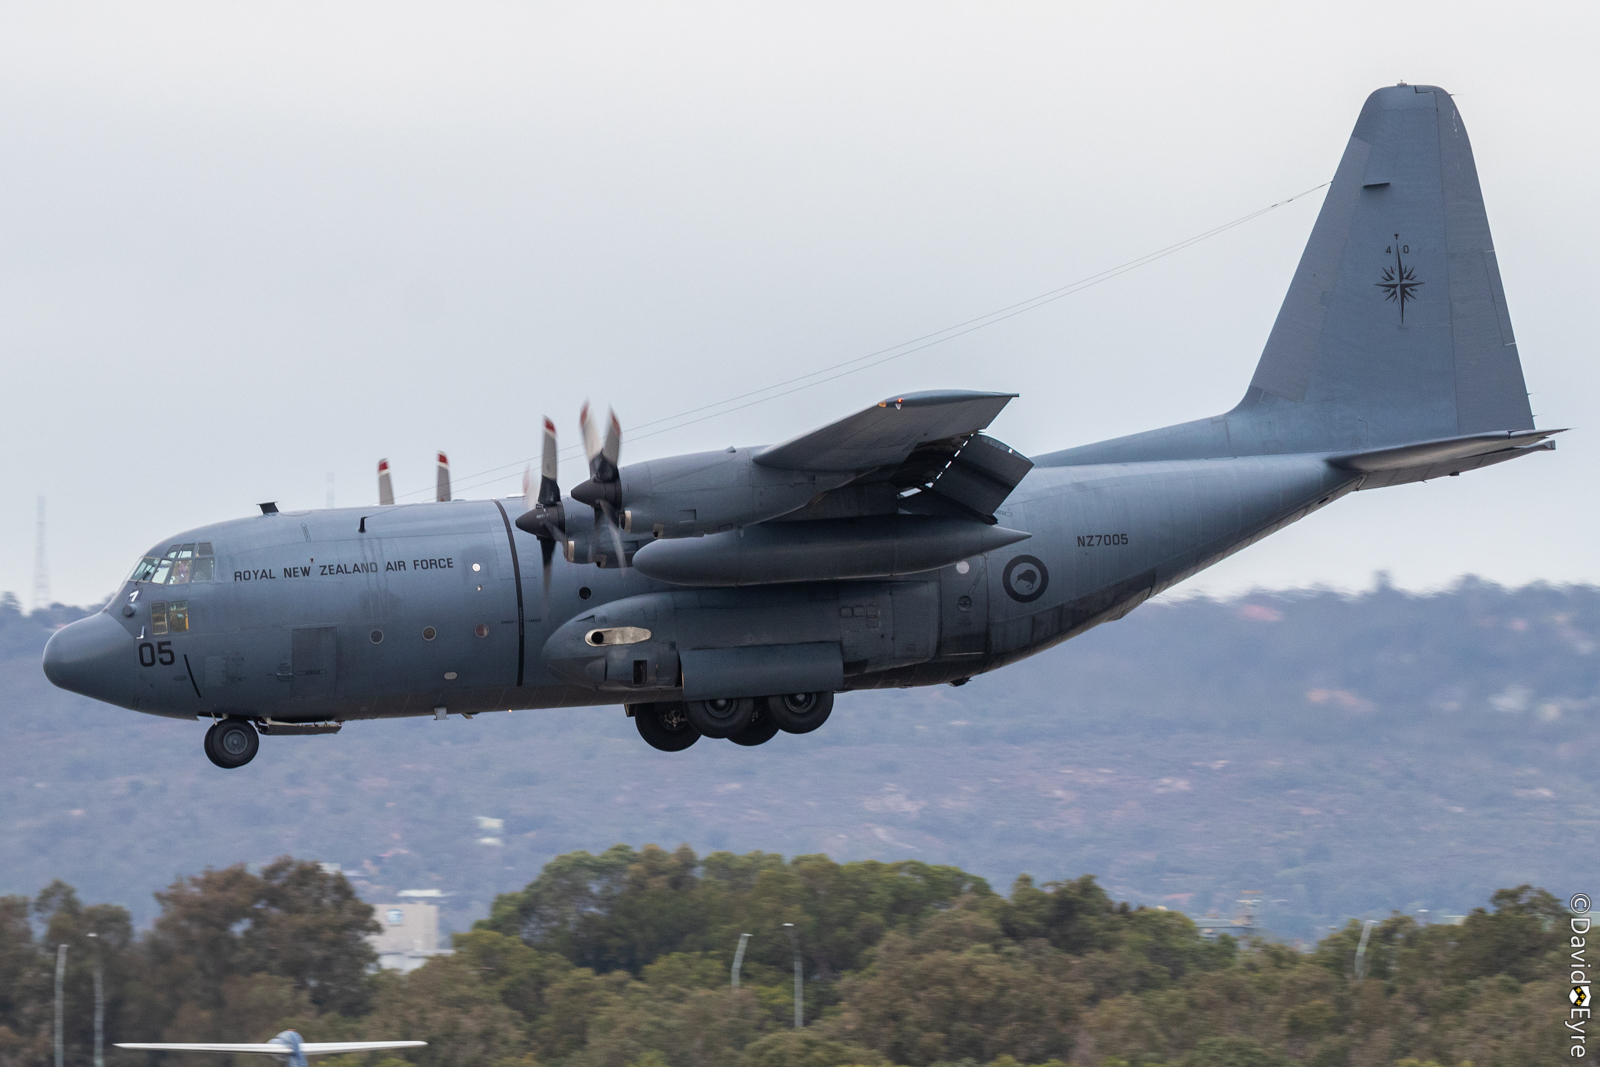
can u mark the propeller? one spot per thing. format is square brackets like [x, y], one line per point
[603, 490]
[385, 487]
[546, 518]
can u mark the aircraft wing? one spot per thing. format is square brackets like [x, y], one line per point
[277, 1048]
[885, 434]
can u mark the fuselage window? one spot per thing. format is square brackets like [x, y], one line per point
[181, 565]
[158, 617]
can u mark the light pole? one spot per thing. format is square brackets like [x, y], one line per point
[61, 977]
[99, 1007]
[738, 960]
[799, 985]
[1361, 949]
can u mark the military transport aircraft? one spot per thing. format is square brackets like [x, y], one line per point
[731, 594]
[287, 1046]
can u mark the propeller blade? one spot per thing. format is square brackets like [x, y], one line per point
[609, 517]
[547, 550]
[385, 488]
[592, 445]
[602, 453]
[549, 491]
[611, 451]
[444, 478]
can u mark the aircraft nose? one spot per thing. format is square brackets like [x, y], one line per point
[89, 656]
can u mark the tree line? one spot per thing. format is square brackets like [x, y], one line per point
[622, 959]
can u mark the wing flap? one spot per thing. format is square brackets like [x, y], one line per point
[886, 433]
[982, 475]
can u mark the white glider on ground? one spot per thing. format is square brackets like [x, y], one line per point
[289, 1045]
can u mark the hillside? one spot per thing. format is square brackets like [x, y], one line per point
[1343, 755]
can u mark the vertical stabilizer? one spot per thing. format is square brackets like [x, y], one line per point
[1395, 327]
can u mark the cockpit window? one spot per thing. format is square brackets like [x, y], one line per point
[169, 618]
[180, 565]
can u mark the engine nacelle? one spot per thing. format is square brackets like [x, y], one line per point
[705, 492]
[771, 553]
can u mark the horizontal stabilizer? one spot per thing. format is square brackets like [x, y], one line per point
[278, 1048]
[1444, 450]
[884, 434]
[1425, 460]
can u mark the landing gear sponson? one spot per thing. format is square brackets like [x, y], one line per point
[673, 726]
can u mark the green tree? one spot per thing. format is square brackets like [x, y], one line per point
[21, 977]
[959, 990]
[1526, 925]
[446, 1003]
[293, 920]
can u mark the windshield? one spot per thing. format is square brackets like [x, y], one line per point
[180, 565]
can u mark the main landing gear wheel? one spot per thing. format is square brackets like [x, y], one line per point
[232, 743]
[800, 713]
[763, 728]
[723, 717]
[665, 726]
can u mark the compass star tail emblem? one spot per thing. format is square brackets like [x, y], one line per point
[1399, 283]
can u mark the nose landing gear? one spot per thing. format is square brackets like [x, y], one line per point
[232, 742]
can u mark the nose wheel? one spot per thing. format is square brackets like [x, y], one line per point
[233, 742]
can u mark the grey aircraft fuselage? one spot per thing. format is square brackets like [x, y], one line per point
[442, 605]
[1391, 361]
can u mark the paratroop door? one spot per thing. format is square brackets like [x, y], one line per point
[315, 662]
[964, 609]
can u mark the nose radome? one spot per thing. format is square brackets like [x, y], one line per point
[91, 656]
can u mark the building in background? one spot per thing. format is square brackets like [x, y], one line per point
[410, 931]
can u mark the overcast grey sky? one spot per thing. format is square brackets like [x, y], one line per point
[243, 247]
